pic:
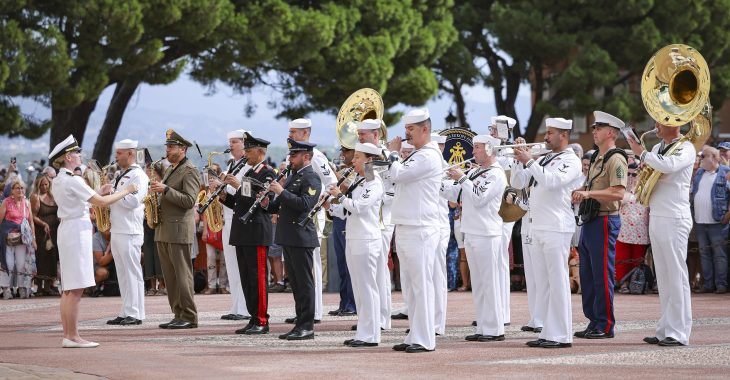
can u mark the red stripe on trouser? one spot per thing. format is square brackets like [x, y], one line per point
[606, 289]
[261, 268]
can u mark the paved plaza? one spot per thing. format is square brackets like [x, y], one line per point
[30, 341]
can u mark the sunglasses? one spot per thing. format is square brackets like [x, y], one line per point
[633, 174]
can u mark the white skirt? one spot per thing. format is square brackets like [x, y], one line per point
[75, 253]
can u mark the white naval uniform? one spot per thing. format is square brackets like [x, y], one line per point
[363, 237]
[322, 167]
[127, 236]
[440, 279]
[669, 216]
[383, 276]
[238, 300]
[75, 232]
[481, 195]
[503, 263]
[553, 224]
[415, 213]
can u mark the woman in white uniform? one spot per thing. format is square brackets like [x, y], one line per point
[73, 196]
[361, 207]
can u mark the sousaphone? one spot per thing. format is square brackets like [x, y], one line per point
[363, 104]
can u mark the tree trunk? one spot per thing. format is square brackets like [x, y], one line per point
[123, 92]
[533, 124]
[70, 121]
[460, 107]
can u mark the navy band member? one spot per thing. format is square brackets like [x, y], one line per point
[416, 216]
[670, 221]
[606, 182]
[440, 277]
[252, 239]
[480, 192]
[75, 234]
[127, 234]
[175, 234]
[553, 225]
[293, 202]
[361, 208]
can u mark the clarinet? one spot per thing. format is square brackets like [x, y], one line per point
[324, 199]
[233, 171]
[264, 193]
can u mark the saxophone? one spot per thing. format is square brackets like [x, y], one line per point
[152, 202]
[214, 211]
[101, 214]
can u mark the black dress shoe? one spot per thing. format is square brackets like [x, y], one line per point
[179, 325]
[317, 320]
[507, 324]
[537, 330]
[291, 320]
[353, 328]
[166, 325]
[491, 338]
[416, 349]
[257, 330]
[401, 347]
[243, 330]
[359, 343]
[346, 313]
[582, 334]
[596, 334]
[348, 341]
[130, 321]
[535, 343]
[399, 316]
[473, 338]
[285, 335]
[651, 340]
[552, 344]
[114, 321]
[235, 317]
[301, 335]
[473, 323]
[334, 312]
[670, 342]
[527, 328]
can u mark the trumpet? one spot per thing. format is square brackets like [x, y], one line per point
[535, 149]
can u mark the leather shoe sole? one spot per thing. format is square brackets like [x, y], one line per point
[527, 328]
[401, 347]
[334, 312]
[243, 330]
[167, 325]
[417, 349]
[114, 321]
[301, 335]
[234, 317]
[651, 340]
[346, 313]
[598, 335]
[180, 325]
[293, 321]
[669, 342]
[473, 338]
[582, 334]
[399, 316]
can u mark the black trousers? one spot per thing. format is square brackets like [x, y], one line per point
[252, 262]
[299, 261]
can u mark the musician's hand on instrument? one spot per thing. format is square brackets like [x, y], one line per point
[213, 183]
[635, 147]
[157, 187]
[455, 173]
[510, 198]
[274, 218]
[395, 144]
[334, 191]
[233, 181]
[522, 155]
[264, 202]
[105, 189]
[276, 187]
[326, 205]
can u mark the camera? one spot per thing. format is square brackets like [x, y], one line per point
[12, 160]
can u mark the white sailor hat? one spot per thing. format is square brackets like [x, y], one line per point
[416, 116]
[236, 134]
[438, 138]
[368, 148]
[406, 145]
[559, 123]
[300, 123]
[602, 118]
[504, 120]
[369, 124]
[486, 139]
[68, 145]
[126, 144]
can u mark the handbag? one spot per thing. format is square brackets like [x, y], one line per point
[14, 238]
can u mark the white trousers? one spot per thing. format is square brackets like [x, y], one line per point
[16, 257]
[417, 252]
[550, 251]
[669, 246]
[383, 277]
[440, 280]
[217, 275]
[127, 251]
[482, 254]
[238, 301]
[536, 305]
[362, 262]
[503, 268]
[317, 266]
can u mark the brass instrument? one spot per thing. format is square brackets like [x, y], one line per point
[214, 211]
[152, 201]
[363, 104]
[507, 150]
[675, 88]
[101, 214]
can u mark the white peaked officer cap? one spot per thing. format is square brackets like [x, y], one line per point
[236, 134]
[369, 124]
[126, 144]
[368, 148]
[68, 145]
[438, 138]
[416, 116]
[486, 139]
[559, 123]
[406, 145]
[300, 123]
[603, 118]
[504, 119]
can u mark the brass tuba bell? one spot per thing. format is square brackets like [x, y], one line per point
[363, 104]
[675, 90]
